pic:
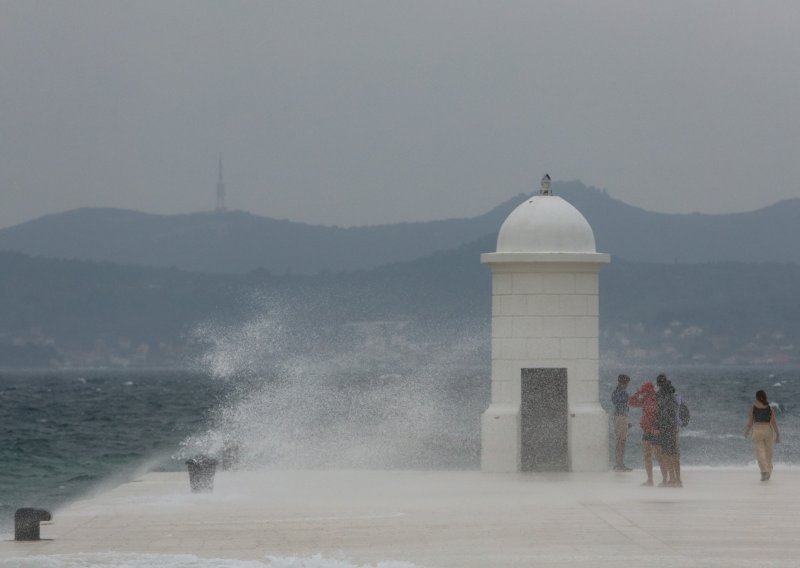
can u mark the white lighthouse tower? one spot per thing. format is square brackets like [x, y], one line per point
[545, 413]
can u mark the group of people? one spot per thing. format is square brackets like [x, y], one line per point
[660, 425]
[663, 414]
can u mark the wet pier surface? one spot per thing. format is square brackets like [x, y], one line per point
[724, 518]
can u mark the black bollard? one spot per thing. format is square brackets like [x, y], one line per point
[26, 523]
[201, 474]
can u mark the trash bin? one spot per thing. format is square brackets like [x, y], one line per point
[26, 523]
[201, 473]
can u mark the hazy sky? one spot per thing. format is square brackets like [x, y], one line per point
[342, 112]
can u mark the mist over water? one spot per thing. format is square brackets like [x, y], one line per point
[304, 400]
[382, 404]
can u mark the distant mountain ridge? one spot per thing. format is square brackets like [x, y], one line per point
[236, 241]
[239, 242]
[769, 234]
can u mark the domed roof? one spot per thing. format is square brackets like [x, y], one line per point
[546, 224]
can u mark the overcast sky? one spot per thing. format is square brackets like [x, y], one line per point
[353, 113]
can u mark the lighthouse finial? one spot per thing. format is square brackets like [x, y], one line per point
[546, 185]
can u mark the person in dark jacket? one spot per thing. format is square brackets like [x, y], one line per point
[619, 398]
[667, 431]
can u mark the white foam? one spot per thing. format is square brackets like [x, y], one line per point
[705, 435]
[118, 560]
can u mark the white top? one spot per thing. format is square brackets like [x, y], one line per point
[546, 224]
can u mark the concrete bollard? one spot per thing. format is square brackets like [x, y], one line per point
[201, 474]
[26, 523]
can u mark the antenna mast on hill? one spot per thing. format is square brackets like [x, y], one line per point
[220, 188]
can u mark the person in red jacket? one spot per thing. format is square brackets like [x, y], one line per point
[645, 398]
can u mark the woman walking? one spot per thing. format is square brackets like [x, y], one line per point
[761, 421]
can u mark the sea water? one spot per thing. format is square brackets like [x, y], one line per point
[66, 434]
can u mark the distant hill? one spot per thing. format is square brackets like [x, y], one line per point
[766, 235]
[238, 242]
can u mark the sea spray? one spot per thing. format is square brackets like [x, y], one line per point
[361, 407]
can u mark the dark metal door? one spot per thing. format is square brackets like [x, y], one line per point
[544, 420]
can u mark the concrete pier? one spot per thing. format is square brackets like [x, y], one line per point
[442, 519]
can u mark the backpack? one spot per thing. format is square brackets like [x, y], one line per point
[683, 414]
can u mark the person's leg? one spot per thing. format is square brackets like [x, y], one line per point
[665, 464]
[676, 472]
[668, 451]
[678, 458]
[647, 450]
[768, 451]
[662, 463]
[621, 432]
[670, 468]
[760, 446]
